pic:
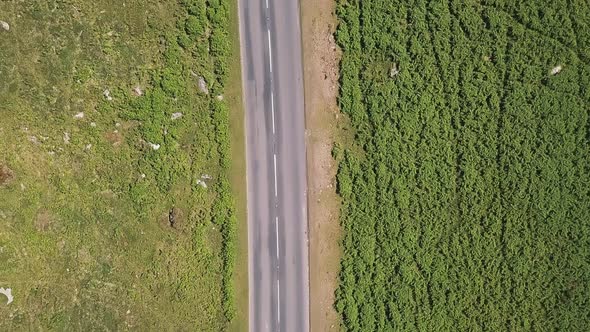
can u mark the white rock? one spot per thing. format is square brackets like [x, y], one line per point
[555, 70]
[203, 85]
[8, 293]
[92, 124]
[176, 115]
[79, 115]
[393, 71]
[107, 94]
[5, 25]
[138, 91]
[206, 177]
[154, 146]
[202, 183]
[67, 138]
[88, 146]
[219, 97]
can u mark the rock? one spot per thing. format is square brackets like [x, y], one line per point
[107, 94]
[154, 146]
[137, 91]
[555, 70]
[67, 138]
[5, 26]
[176, 115]
[8, 293]
[92, 124]
[88, 146]
[219, 97]
[393, 71]
[201, 182]
[79, 115]
[203, 85]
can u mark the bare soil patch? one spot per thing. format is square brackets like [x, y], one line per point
[173, 219]
[114, 137]
[321, 58]
[6, 175]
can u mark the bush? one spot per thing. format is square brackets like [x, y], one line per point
[469, 207]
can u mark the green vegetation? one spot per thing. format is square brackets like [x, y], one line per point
[101, 229]
[467, 190]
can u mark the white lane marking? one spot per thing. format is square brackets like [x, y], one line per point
[269, 51]
[277, 231]
[275, 168]
[279, 302]
[272, 110]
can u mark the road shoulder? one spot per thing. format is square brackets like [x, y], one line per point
[323, 122]
[238, 172]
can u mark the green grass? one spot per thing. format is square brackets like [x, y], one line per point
[466, 194]
[86, 239]
[238, 169]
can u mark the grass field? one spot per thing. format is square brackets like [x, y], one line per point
[467, 190]
[115, 201]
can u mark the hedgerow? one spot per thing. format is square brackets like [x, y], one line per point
[466, 193]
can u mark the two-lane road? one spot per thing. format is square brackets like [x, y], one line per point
[278, 267]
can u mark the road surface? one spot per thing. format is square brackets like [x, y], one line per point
[272, 73]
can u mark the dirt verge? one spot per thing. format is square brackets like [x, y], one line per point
[321, 58]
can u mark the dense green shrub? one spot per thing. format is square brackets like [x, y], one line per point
[469, 207]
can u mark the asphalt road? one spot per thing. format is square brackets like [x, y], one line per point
[278, 266]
